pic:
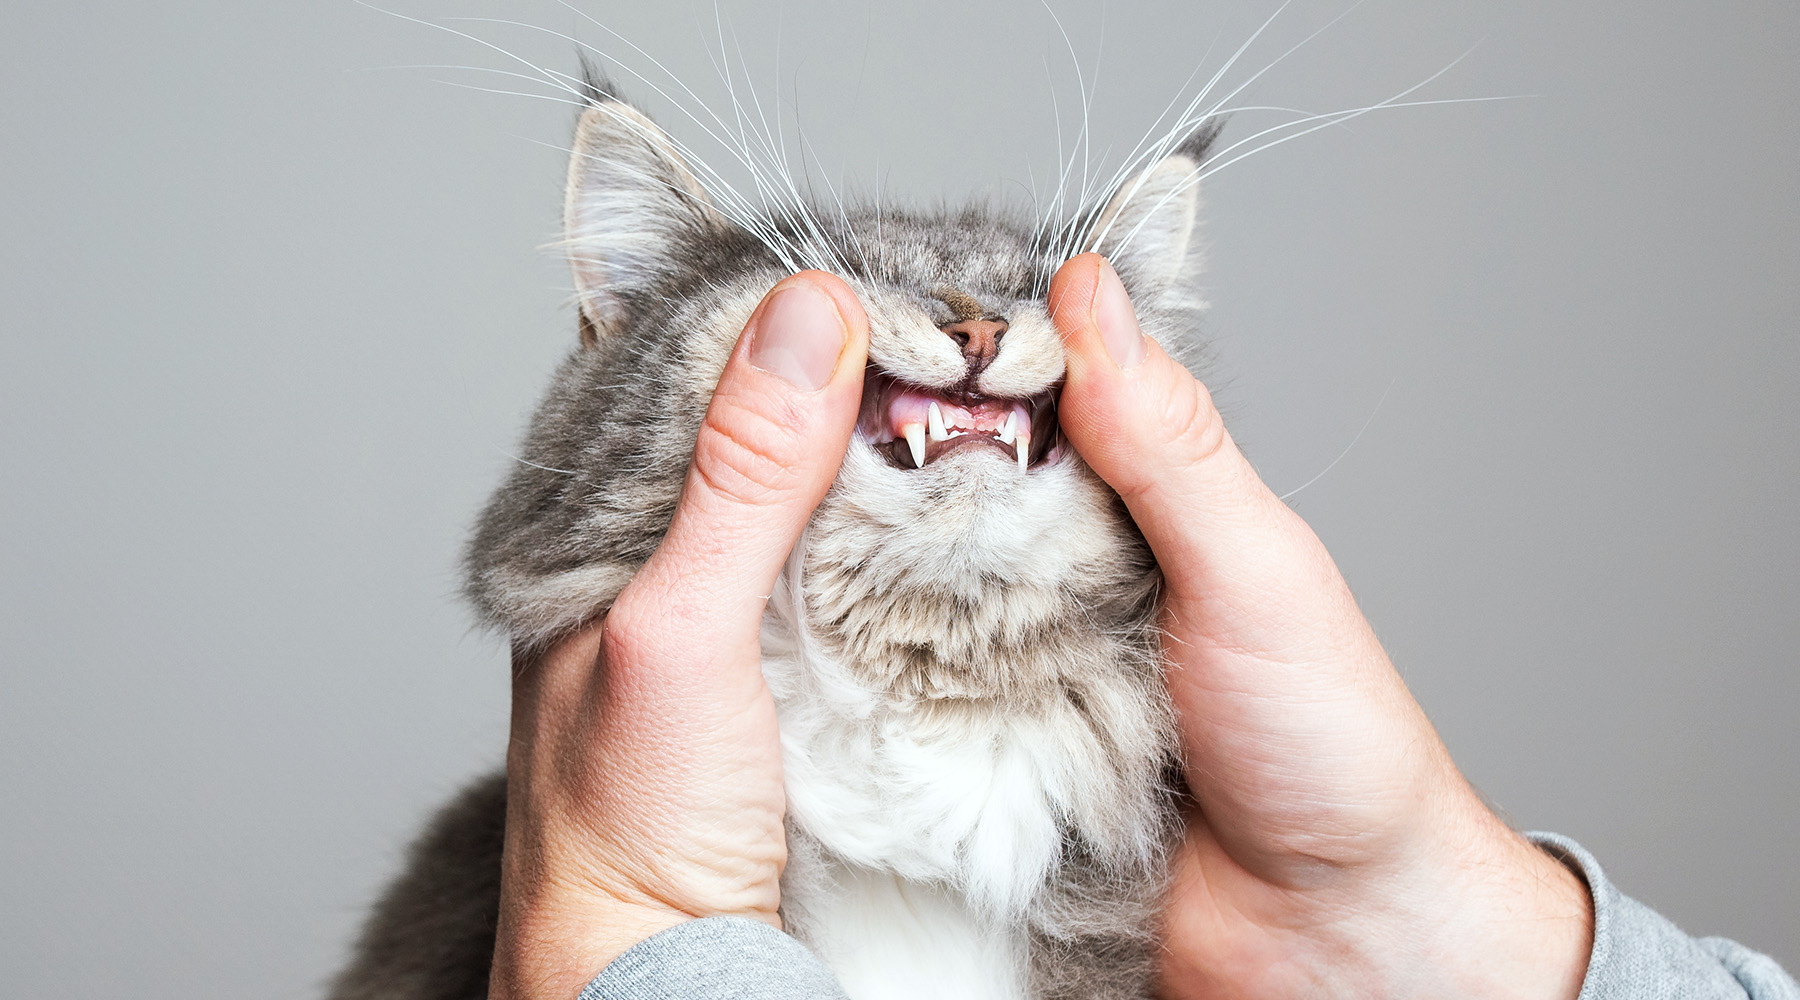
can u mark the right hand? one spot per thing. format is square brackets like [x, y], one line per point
[644, 783]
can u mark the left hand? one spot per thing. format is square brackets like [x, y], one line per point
[1334, 849]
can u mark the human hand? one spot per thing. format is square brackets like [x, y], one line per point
[644, 782]
[1334, 849]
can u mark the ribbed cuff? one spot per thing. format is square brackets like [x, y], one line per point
[1640, 955]
[717, 958]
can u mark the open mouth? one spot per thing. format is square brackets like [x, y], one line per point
[912, 426]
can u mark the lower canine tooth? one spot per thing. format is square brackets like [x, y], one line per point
[934, 422]
[1022, 445]
[915, 440]
[1010, 428]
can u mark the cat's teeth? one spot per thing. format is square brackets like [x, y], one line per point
[1022, 445]
[915, 440]
[934, 419]
[1010, 428]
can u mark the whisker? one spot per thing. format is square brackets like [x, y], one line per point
[1372, 414]
[465, 35]
[510, 93]
[1184, 127]
[1325, 121]
[807, 221]
[546, 468]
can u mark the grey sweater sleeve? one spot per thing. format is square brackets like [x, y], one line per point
[1637, 955]
[1640, 955]
[718, 958]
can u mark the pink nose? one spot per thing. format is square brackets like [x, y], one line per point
[978, 338]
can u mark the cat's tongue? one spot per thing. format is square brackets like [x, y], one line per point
[924, 420]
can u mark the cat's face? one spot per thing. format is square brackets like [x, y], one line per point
[960, 522]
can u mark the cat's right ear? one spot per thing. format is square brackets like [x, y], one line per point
[629, 200]
[1147, 229]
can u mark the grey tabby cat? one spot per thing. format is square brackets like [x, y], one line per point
[979, 752]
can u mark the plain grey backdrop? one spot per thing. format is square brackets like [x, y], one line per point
[276, 309]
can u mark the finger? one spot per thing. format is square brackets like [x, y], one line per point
[768, 449]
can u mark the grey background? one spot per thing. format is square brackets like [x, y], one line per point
[274, 315]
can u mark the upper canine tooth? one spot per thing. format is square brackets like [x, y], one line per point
[915, 440]
[934, 418]
[1010, 428]
[1022, 446]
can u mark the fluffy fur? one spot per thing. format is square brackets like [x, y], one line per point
[964, 655]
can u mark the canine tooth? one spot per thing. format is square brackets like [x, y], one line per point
[1022, 445]
[1010, 428]
[915, 439]
[934, 419]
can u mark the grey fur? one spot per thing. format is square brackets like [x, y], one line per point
[432, 933]
[899, 578]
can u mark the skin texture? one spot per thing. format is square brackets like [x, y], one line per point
[1333, 848]
[685, 818]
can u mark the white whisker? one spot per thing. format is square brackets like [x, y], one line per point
[1372, 414]
[570, 102]
[1326, 120]
[803, 225]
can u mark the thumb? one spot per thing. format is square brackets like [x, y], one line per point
[768, 449]
[1242, 571]
[1150, 429]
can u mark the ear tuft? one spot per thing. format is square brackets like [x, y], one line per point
[595, 86]
[1198, 145]
[630, 201]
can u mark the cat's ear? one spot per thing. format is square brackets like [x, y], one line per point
[1147, 228]
[630, 201]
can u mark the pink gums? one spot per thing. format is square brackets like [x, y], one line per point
[909, 406]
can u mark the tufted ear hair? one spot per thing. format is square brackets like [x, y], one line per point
[629, 200]
[1147, 228]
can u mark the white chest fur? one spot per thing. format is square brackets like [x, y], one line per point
[968, 801]
[888, 938]
[927, 820]
[924, 833]
[925, 839]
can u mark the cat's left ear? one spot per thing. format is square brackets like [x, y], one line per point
[1147, 228]
[630, 204]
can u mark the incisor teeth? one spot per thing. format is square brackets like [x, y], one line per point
[1010, 428]
[1022, 445]
[934, 420]
[915, 439]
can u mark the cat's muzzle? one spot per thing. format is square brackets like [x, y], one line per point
[913, 426]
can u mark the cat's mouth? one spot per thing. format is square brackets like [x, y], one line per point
[912, 426]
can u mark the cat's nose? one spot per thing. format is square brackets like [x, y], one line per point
[979, 340]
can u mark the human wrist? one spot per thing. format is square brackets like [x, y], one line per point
[549, 952]
[1530, 929]
[1448, 903]
[1487, 914]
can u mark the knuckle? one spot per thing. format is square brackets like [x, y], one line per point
[1172, 419]
[623, 634]
[1176, 434]
[749, 454]
[1197, 430]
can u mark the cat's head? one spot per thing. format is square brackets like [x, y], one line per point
[960, 518]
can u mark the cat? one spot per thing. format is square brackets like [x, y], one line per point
[982, 775]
